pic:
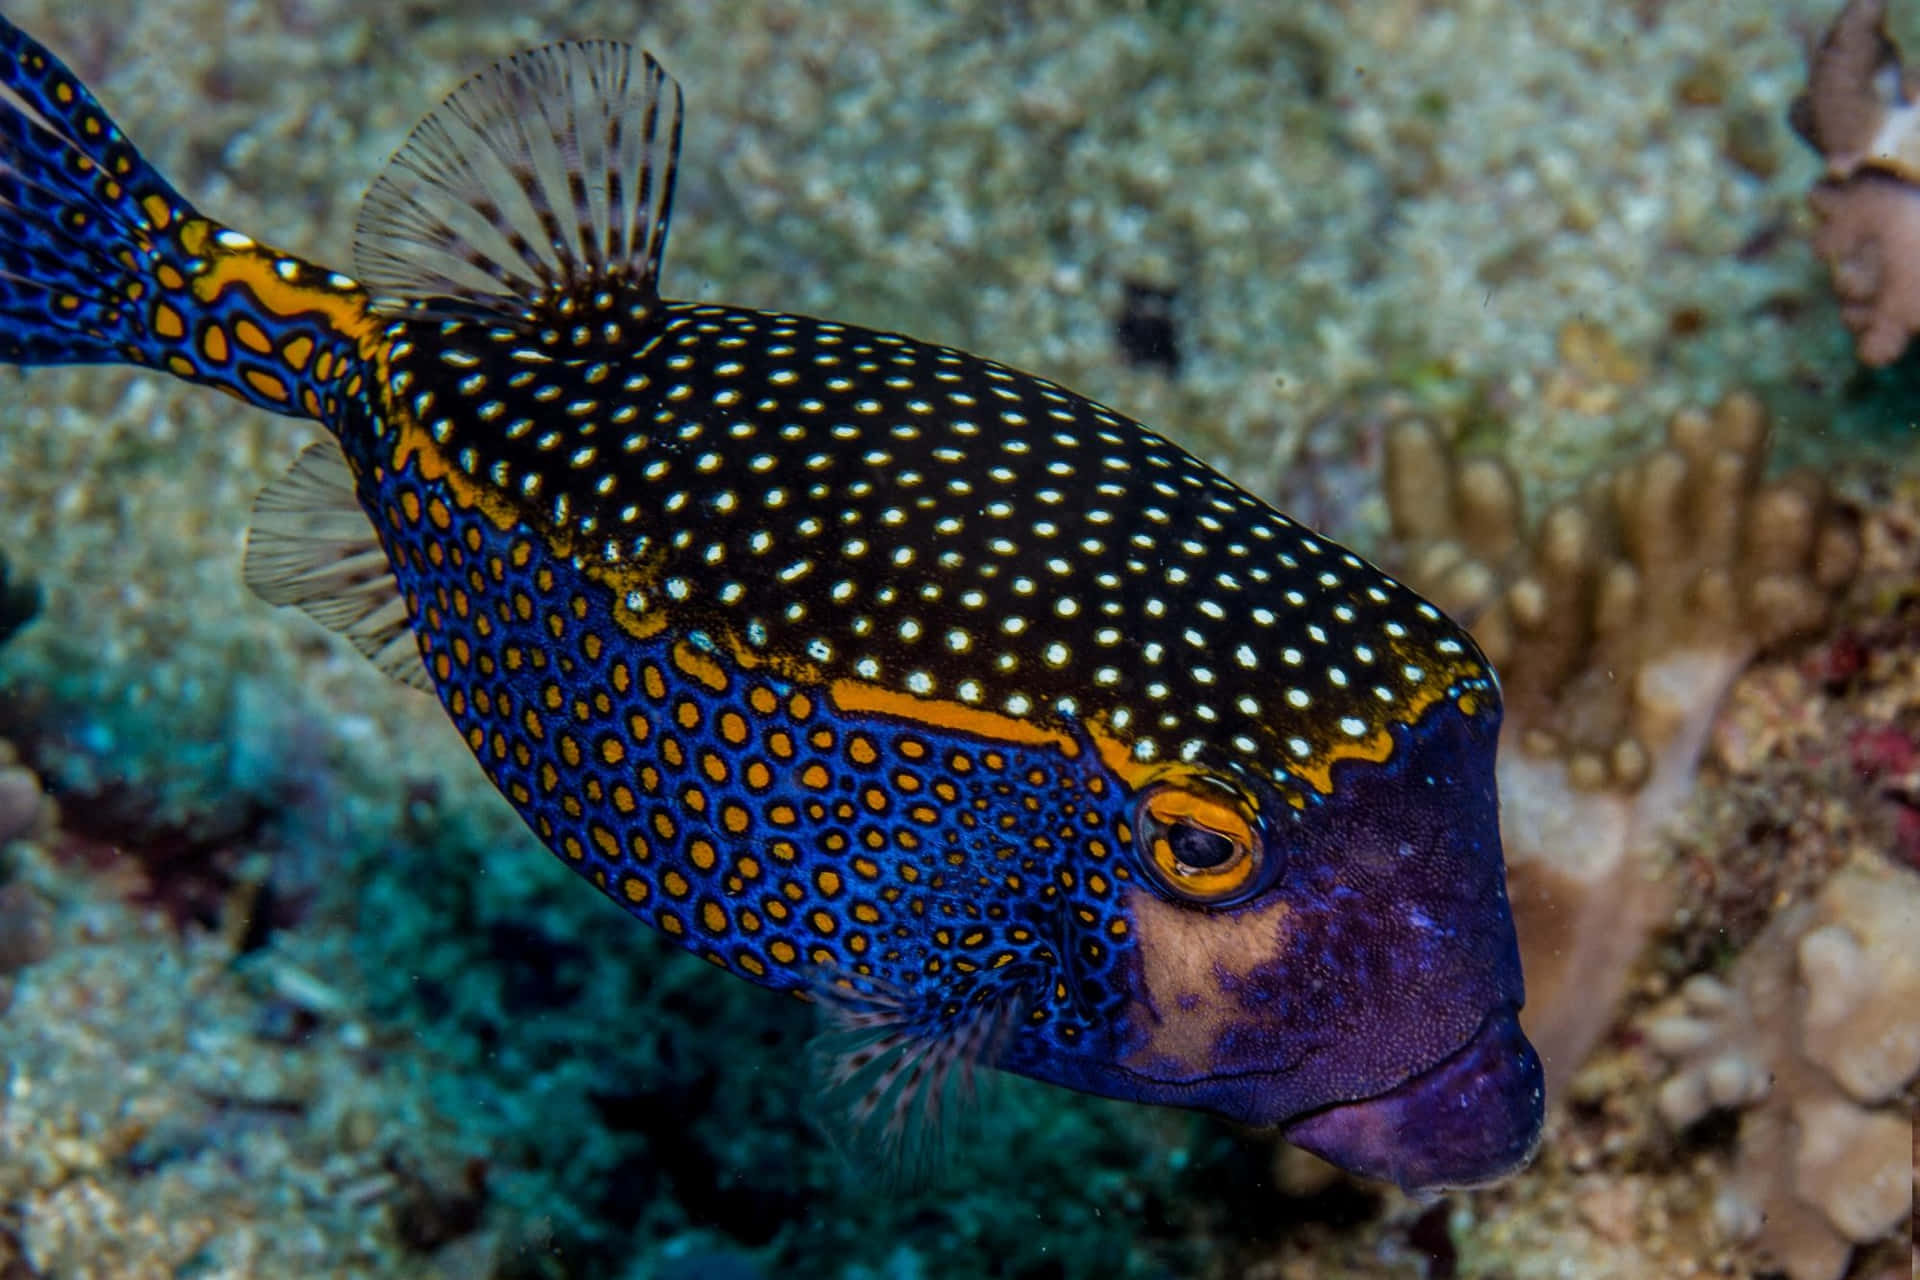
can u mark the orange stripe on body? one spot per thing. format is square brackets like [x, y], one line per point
[415, 447]
[855, 698]
[1316, 771]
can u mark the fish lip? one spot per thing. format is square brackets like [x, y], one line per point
[1469, 1120]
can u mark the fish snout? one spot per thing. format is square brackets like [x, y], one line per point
[1472, 1119]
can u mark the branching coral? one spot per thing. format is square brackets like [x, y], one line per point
[1617, 625]
[1816, 1030]
[1860, 112]
[1869, 237]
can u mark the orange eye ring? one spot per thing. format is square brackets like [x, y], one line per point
[1199, 840]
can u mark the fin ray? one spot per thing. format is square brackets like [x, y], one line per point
[77, 209]
[900, 1074]
[549, 175]
[310, 546]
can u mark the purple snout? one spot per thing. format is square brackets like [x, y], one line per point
[1470, 1120]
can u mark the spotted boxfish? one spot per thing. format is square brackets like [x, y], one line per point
[866, 668]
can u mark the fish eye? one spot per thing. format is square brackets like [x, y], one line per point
[1199, 841]
[1198, 849]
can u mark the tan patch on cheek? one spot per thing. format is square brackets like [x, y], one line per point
[1182, 953]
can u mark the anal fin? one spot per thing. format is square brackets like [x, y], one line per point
[311, 546]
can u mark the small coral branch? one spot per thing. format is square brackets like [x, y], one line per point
[1869, 237]
[1861, 113]
[1813, 1034]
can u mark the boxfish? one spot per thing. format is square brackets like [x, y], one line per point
[868, 669]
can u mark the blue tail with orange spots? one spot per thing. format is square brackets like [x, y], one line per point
[102, 261]
[78, 215]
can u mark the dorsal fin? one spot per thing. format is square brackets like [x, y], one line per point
[545, 179]
[312, 547]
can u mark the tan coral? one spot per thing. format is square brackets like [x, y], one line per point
[1617, 625]
[1815, 1030]
[1860, 112]
[1869, 237]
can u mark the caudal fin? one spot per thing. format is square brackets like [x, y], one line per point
[102, 261]
[80, 213]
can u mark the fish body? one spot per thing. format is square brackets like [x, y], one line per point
[866, 668]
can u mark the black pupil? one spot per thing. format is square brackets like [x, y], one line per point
[1197, 847]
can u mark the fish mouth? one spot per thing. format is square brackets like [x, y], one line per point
[1470, 1120]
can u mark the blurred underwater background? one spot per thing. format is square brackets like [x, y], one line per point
[1550, 308]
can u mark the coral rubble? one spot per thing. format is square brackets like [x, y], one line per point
[25, 928]
[21, 799]
[1617, 624]
[1815, 1031]
[1860, 113]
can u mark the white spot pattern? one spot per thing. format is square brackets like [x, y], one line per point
[846, 469]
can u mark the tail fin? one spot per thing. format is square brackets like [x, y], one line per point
[74, 199]
[102, 261]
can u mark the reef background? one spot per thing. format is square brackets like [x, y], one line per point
[293, 993]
